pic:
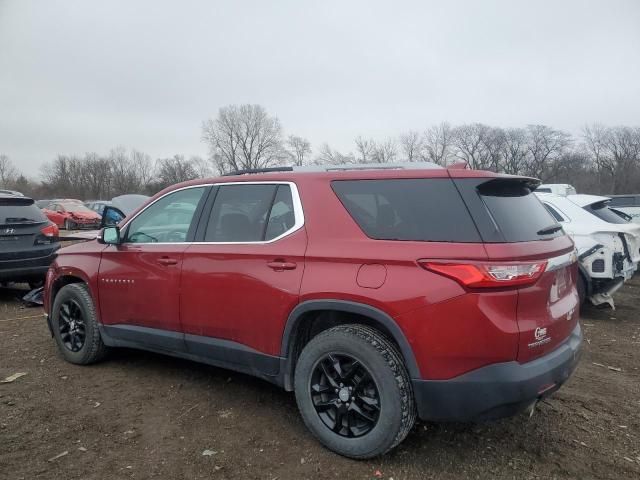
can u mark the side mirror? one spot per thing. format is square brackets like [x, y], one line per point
[110, 236]
[111, 216]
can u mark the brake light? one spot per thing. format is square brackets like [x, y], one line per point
[50, 230]
[488, 275]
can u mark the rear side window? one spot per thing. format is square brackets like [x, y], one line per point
[428, 210]
[19, 210]
[516, 211]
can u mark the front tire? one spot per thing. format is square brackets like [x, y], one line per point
[75, 325]
[353, 391]
[68, 225]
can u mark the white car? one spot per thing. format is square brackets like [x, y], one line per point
[629, 204]
[608, 246]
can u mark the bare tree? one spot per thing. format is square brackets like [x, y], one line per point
[243, 137]
[201, 166]
[174, 169]
[385, 152]
[470, 145]
[616, 154]
[514, 150]
[366, 149]
[328, 156]
[411, 144]
[8, 172]
[299, 149]
[437, 143]
[545, 145]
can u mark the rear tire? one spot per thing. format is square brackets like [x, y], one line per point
[75, 325]
[359, 415]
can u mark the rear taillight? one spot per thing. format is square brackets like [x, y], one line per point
[488, 275]
[50, 230]
[48, 234]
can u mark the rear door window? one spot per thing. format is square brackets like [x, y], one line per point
[428, 210]
[244, 213]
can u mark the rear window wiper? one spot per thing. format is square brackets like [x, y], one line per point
[549, 230]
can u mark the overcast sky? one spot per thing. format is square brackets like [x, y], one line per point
[89, 75]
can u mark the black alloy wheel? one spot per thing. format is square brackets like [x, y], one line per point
[345, 395]
[71, 325]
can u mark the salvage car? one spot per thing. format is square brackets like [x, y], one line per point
[377, 294]
[608, 246]
[72, 215]
[28, 241]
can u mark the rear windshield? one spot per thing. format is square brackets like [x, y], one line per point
[603, 212]
[19, 210]
[517, 212]
[428, 210]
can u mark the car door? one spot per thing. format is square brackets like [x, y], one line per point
[139, 279]
[242, 278]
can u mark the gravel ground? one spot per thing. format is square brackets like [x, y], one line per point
[141, 415]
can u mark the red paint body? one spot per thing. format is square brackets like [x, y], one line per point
[78, 218]
[231, 291]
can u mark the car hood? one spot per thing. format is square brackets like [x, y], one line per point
[129, 203]
[84, 215]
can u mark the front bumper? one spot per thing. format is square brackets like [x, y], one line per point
[498, 390]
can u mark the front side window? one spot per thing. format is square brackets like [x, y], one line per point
[250, 213]
[167, 220]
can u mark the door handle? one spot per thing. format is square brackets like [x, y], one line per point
[280, 265]
[167, 261]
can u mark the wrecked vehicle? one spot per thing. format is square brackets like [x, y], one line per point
[608, 246]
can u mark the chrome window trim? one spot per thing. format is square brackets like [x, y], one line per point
[298, 213]
[561, 261]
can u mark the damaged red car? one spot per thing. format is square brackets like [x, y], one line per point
[72, 215]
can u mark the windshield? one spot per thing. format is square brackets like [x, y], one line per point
[603, 212]
[76, 207]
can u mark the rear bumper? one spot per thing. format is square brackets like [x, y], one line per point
[26, 269]
[498, 390]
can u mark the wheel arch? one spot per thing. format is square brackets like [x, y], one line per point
[312, 310]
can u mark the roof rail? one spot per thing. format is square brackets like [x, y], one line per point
[258, 170]
[341, 167]
[369, 166]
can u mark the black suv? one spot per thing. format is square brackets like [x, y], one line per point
[28, 241]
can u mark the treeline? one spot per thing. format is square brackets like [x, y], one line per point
[601, 160]
[95, 176]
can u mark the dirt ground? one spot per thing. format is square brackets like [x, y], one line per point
[140, 415]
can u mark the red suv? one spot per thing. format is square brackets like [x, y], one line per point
[376, 294]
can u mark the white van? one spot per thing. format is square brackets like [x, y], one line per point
[562, 189]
